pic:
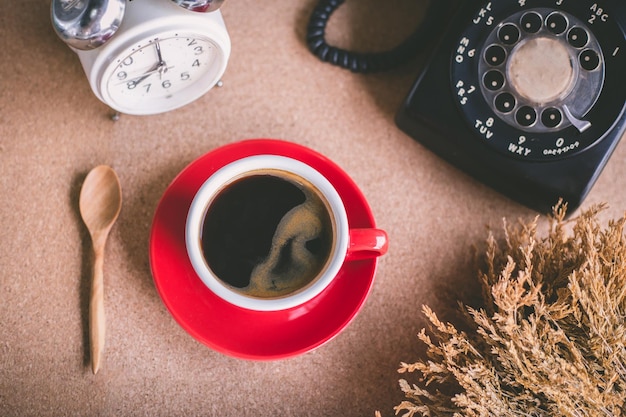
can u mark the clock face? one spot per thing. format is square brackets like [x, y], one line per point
[162, 73]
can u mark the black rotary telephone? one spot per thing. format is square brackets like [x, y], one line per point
[528, 96]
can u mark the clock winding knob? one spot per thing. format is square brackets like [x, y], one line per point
[204, 6]
[86, 24]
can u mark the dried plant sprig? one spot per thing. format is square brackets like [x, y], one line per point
[550, 339]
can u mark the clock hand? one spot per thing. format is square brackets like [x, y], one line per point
[138, 80]
[158, 51]
[145, 75]
[161, 65]
[153, 70]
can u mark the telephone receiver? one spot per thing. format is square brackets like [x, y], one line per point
[88, 24]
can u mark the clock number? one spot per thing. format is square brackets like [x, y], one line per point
[196, 63]
[198, 50]
[131, 85]
[128, 61]
[166, 84]
[193, 42]
[121, 75]
[147, 87]
[184, 76]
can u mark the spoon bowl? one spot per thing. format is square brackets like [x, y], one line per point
[100, 199]
[100, 203]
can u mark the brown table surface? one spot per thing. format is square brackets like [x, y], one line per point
[53, 131]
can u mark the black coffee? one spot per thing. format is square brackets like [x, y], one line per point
[267, 234]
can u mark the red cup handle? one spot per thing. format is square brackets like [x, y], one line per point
[367, 243]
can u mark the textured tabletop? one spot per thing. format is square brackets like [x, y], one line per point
[53, 131]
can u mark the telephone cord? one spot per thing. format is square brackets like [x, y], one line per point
[367, 62]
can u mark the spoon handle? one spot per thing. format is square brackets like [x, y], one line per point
[96, 310]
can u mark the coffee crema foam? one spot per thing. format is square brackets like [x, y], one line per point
[268, 234]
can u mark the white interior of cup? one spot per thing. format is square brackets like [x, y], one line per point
[237, 169]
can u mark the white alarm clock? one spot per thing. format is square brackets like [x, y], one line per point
[145, 57]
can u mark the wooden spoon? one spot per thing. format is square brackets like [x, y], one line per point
[100, 204]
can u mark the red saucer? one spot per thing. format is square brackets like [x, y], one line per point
[239, 332]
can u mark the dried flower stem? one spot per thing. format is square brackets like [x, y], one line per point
[551, 337]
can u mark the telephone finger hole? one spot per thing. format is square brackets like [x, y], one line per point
[577, 37]
[551, 117]
[589, 59]
[493, 80]
[556, 23]
[526, 116]
[531, 22]
[509, 34]
[505, 102]
[495, 55]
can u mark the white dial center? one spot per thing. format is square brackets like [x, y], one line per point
[541, 70]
